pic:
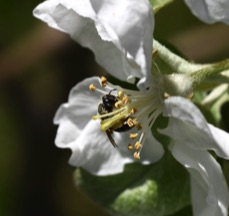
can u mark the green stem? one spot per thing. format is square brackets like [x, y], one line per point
[176, 63]
[211, 70]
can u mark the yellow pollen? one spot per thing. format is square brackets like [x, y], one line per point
[137, 146]
[118, 104]
[103, 81]
[92, 87]
[135, 122]
[120, 94]
[136, 155]
[133, 135]
[126, 100]
[130, 147]
[133, 111]
[130, 122]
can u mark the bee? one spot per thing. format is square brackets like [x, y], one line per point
[108, 106]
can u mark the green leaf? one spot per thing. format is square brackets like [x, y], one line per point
[158, 189]
[159, 4]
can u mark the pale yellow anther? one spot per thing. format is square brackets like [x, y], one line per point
[118, 104]
[130, 122]
[126, 100]
[130, 147]
[136, 155]
[120, 94]
[133, 135]
[137, 146]
[103, 81]
[133, 111]
[135, 122]
[92, 87]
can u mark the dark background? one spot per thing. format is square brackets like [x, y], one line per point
[38, 67]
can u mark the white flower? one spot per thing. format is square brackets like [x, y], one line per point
[90, 147]
[210, 11]
[120, 34]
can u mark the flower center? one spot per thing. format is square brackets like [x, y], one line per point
[122, 110]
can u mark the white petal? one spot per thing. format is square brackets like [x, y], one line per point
[118, 32]
[209, 190]
[90, 147]
[93, 151]
[152, 150]
[82, 104]
[210, 11]
[186, 121]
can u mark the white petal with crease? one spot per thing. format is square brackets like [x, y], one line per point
[118, 32]
[186, 119]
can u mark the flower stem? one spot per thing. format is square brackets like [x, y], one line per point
[211, 70]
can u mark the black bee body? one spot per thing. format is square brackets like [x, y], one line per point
[108, 106]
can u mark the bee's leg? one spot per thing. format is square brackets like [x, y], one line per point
[109, 132]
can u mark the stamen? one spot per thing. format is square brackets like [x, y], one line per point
[121, 94]
[126, 100]
[137, 146]
[136, 155]
[92, 87]
[118, 104]
[135, 122]
[133, 135]
[133, 111]
[130, 122]
[103, 81]
[130, 147]
[121, 110]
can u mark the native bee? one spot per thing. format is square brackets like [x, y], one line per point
[108, 106]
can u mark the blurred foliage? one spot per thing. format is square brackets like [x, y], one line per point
[16, 19]
[158, 189]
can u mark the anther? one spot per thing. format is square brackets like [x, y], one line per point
[137, 146]
[103, 81]
[126, 100]
[135, 122]
[130, 122]
[120, 94]
[133, 111]
[118, 104]
[92, 87]
[133, 135]
[130, 147]
[137, 155]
